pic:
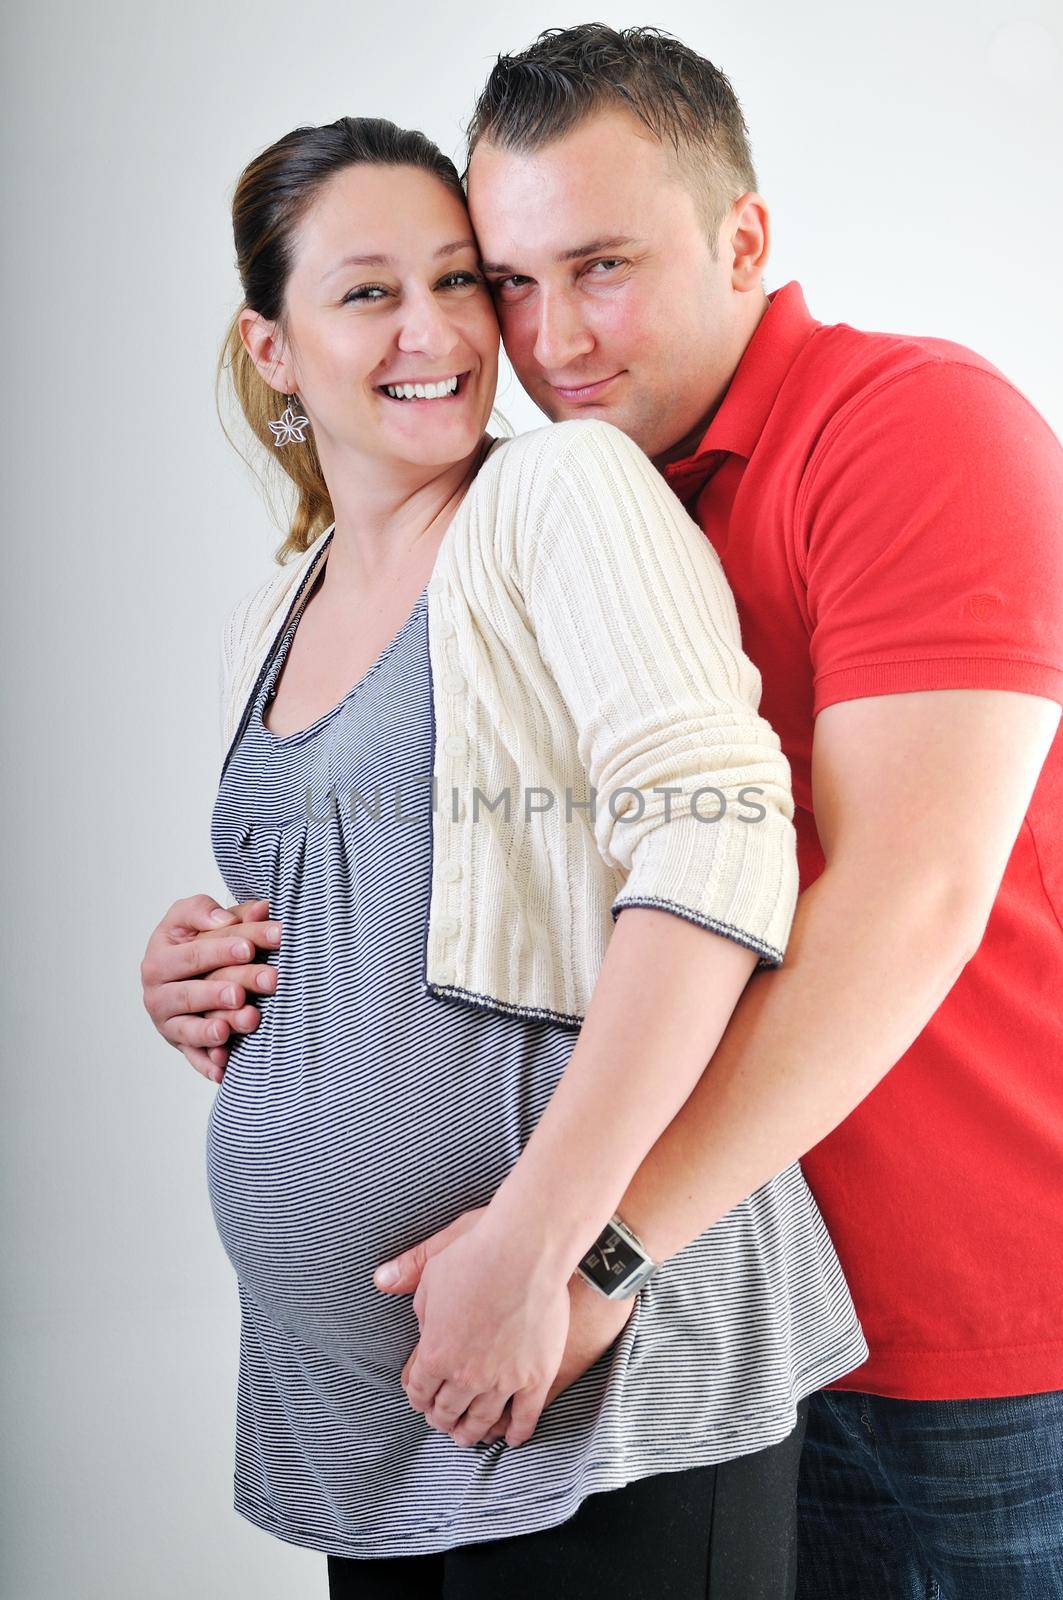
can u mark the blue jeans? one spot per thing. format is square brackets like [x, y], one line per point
[931, 1499]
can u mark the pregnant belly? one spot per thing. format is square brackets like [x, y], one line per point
[311, 1188]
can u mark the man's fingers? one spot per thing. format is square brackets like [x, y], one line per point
[484, 1413]
[166, 962]
[201, 1032]
[500, 1426]
[225, 990]
[527, 1408]
[201, 913]
[454, 1400]
[204, 1065]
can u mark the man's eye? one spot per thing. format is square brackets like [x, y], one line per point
[608, 263]
[513, 281]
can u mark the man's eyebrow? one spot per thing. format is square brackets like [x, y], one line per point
[386, 261]
[616, 241]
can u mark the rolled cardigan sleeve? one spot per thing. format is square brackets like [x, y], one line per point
[636, 622]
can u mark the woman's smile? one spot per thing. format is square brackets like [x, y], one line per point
[413, 391]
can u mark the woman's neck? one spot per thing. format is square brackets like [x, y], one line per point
[388, 524]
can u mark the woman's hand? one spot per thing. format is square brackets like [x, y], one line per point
[594, 1325]
[493, 1331]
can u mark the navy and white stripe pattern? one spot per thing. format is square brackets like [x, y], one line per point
[365, 1113]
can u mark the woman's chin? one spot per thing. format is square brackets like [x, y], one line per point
[433, 443]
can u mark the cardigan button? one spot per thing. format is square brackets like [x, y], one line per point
[454, 744]
[450, 872]
[445, 975]
[447, 926]
[447, 629]
[454, 682]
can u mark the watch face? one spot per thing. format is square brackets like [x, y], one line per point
[611, 1260]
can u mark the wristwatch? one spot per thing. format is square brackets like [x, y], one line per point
[617, 1263]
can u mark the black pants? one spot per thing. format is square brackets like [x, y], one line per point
[708, 1533]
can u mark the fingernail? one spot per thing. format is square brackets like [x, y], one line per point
[386, 1274]
[228, 994]
[221, 915]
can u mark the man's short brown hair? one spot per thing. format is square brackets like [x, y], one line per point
[538, 95]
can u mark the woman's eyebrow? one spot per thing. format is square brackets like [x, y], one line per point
[387, 261]
[615, 241]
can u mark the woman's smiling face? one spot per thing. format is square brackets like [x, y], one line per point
[385, 290]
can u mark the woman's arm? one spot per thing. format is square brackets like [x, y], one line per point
[634, 619]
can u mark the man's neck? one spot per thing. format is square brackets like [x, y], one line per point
[689, 442]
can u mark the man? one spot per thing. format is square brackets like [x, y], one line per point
[888, 513]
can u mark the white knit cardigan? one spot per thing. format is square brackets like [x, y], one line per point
[583, 640]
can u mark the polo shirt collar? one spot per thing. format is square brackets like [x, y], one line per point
[779, 337]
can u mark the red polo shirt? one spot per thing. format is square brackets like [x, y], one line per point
[889, 512]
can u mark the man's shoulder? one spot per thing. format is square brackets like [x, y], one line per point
[844, 370]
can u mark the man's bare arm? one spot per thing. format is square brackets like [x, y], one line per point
[918, 800]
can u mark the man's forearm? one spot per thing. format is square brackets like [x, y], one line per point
[863, 975]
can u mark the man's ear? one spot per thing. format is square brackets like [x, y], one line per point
[263, 344]
[747, 235]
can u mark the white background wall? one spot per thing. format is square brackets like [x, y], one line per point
[911, 154]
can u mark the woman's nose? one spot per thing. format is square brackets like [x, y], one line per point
[428, 328]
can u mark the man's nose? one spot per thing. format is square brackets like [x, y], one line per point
[560, 336]
[427, 327]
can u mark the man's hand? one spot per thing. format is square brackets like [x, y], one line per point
[594, 1325]
[196, 973]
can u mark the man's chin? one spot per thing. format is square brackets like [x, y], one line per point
[572, 411]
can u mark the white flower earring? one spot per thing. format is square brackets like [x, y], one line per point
[290, 428]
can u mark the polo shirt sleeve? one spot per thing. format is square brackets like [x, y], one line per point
[930, 530]
[637, 625]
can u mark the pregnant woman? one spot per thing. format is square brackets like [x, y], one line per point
[493, 696]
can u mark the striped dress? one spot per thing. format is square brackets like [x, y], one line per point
[364, 1114]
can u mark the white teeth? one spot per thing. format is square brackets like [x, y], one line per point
[422, 391]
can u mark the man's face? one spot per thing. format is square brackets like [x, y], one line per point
[610, 301]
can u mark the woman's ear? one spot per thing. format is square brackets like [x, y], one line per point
[263, 344]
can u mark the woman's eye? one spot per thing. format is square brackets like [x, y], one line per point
[373, 292]
[462, 278]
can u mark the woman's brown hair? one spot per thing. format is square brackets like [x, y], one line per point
[272, 195]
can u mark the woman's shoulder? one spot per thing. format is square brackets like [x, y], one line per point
[572, 469]
[256, 605]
